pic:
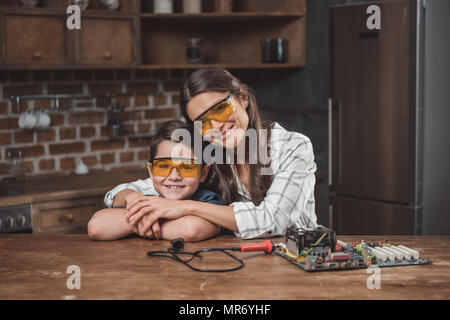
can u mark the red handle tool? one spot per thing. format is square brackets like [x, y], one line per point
[266, 246]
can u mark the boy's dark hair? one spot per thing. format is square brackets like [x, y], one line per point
[165, 133]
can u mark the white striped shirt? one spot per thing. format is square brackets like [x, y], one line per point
[289, 200]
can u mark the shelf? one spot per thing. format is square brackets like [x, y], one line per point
[162, 66]
[59, 11]
[223, 42]
[32, 11]
[224, 65]
[228, 40]
[214, 17]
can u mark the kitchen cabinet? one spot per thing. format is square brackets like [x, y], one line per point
[106, 39]
[70, 215]
[107, 42]
[230, 40]
[135, 37]
[57, 204]
[26, 41]
[66, 216]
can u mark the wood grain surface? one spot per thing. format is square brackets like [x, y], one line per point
[34, 267]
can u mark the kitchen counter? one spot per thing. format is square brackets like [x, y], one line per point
[49, 188]
[34, 267]
[65, 187]
[62, 204]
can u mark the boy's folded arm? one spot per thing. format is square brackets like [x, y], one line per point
[190, 228]
[109, 224]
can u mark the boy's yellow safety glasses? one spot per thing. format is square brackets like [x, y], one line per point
[220, 112]
[186, 168]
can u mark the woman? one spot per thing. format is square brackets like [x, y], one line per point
[257, 204]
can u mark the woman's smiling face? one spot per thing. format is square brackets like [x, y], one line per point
[229, 133]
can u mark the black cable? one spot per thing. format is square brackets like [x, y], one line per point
[174, 255]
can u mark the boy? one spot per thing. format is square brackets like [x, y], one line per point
[173, 178]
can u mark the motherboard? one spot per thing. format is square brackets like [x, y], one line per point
[318, 250]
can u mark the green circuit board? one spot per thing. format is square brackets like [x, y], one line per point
[355, 255]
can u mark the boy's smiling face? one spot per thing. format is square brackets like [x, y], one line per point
[173, 186]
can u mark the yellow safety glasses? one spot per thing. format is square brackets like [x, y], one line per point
[186, 168]
[220, 112]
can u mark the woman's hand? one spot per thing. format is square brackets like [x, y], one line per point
[131, 196]
[156, 208]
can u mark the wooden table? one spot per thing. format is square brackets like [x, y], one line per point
[34, 267]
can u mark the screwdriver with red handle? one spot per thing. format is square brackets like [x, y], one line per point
[267, 246]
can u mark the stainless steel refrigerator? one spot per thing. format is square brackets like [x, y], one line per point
[389, 119]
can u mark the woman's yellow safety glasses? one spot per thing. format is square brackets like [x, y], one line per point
[220, 112]
[186, 168]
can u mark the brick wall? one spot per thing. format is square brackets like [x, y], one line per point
[79, 127]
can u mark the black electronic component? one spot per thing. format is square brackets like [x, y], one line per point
[299, 240]
[177, 244]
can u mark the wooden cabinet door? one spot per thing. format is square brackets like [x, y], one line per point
[67, 216]
[34, 40]
[105, 42]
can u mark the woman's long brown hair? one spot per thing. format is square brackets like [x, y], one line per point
[222, 178]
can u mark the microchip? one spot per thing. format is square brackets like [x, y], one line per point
[338, 256]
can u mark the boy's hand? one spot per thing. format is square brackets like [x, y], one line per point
[153, 231]
[140, 228]
[155, 208]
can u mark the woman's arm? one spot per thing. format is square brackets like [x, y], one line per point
[124, 197]
[116, 197]
[290, 198]
[217, 214]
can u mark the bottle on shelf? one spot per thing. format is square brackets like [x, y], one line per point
[16, 168]
[163, 6]
[223, 6]
[192, 6]
[193, 52]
